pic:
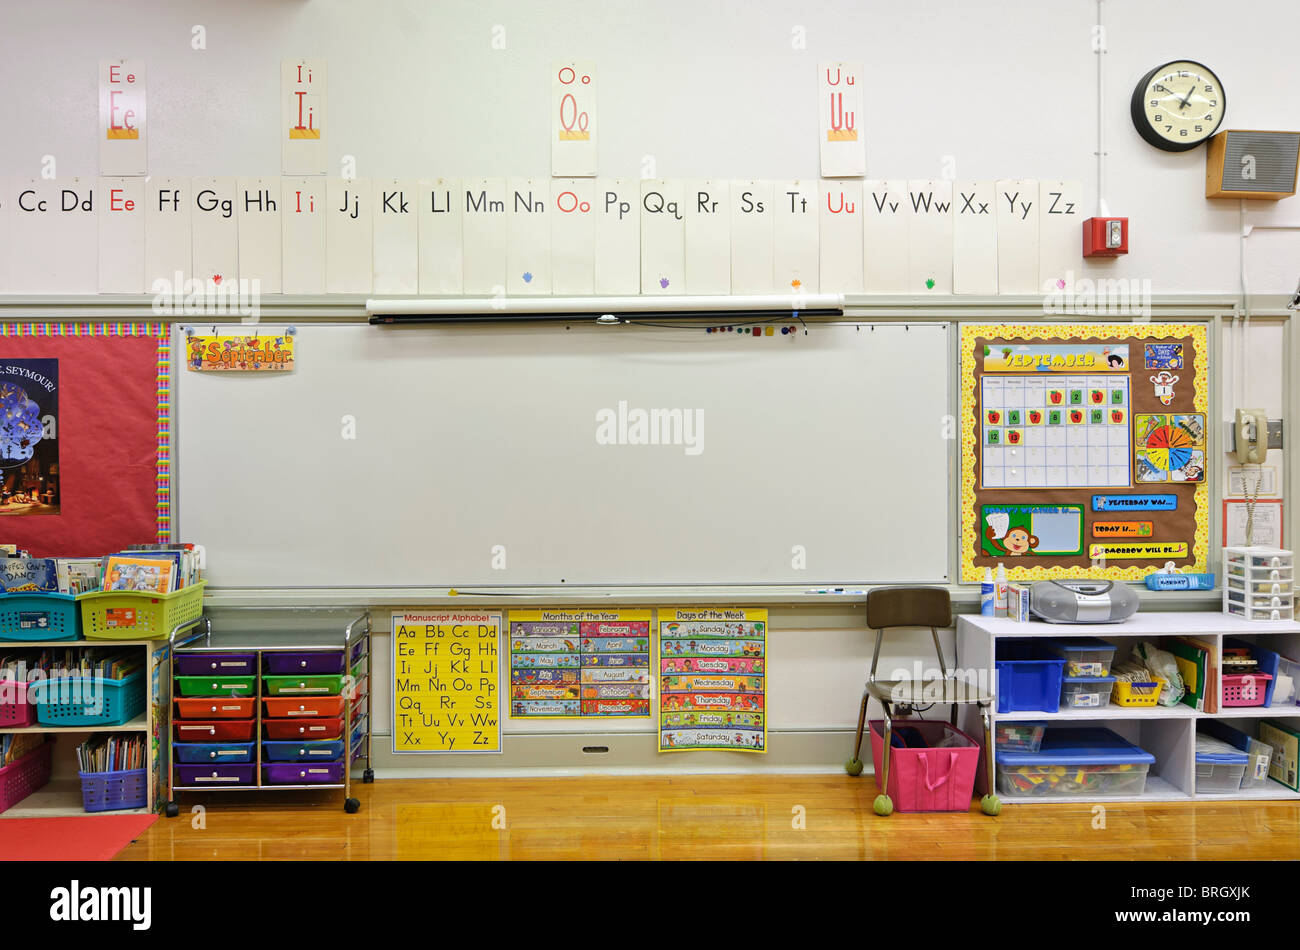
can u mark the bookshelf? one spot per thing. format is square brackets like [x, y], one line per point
[62, 796]
[1169, 733]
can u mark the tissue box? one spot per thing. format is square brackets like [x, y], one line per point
[1018, 602]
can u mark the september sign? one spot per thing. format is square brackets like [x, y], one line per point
[447, 681]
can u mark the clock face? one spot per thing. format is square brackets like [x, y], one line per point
[1178, 106]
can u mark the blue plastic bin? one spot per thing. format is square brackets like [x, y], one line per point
[201, 753]
[92, 701]
[114, 791]
[45, 616]
[1096, 762]
[318, 750]
[1025, 685]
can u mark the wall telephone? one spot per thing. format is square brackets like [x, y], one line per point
[1252, 436]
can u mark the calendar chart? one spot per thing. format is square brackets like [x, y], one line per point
[1055, 432]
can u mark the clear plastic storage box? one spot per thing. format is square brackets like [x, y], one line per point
[1086, 692]
[1084, 656]
[1075, 763]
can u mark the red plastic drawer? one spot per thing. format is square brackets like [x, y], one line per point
[319, 706]
[328, 728]
[216, 708]
[220, 730]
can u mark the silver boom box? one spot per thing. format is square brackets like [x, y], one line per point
[1082, 601]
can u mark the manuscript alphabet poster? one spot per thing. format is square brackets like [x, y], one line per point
[712, 668]
[447, 681]
[1084, 450]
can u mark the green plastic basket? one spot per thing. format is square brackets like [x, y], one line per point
[303, 685]
[138, 615]
[217, 685]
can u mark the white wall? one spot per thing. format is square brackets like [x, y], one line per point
[1005, 88]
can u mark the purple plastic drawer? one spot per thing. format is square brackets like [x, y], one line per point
[214, 776]
[303, 773]
[215, 664]
[314, 662]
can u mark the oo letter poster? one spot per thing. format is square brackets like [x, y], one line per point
[1084, 450]
[447, 681]
[579, 663]
[712, 665]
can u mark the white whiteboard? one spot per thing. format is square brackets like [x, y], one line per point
[477, 445]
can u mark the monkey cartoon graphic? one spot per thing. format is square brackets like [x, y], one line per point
[1016, 542]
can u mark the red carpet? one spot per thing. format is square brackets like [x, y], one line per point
[93, 838]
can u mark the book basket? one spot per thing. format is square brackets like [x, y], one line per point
[139, 615]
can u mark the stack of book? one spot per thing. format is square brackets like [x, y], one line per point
[111, 753]
[150, 568]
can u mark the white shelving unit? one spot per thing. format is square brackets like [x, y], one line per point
[1168, 733]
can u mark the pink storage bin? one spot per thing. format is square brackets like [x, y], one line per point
[927, 779]
[15, 711]
[28, 774]
[1245, 689]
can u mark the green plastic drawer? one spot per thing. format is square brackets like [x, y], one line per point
[303, 685]
[217, 685]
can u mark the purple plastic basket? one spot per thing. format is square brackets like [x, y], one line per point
[303, 773]
[215, 664]
[214, 776]
[287, 664]
[114, 791]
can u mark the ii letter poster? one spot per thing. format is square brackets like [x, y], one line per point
[712, 666]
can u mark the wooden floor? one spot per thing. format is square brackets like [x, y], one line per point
[693, 817]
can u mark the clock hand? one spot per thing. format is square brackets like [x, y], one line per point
[1183, 105]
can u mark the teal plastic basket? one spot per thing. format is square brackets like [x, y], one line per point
[44, 616]
[87, 701]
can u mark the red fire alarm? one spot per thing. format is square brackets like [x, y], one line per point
[1105, 237]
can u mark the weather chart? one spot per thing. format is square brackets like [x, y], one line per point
[1083, 447]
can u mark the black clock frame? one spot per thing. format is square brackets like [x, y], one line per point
[1137, 110]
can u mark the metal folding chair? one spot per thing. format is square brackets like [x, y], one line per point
[889, 607]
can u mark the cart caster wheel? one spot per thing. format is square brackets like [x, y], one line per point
[173, 809]
[883, 805]
[991, 805]
[352, 806]
[368, 776]
[853, 766]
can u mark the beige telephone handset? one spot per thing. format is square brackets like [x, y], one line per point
[1252, 436]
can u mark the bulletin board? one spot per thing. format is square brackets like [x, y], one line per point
[1083, 450]
[99, 478]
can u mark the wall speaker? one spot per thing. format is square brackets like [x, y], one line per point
[1247, 164]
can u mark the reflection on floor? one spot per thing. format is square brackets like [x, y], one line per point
[693, 817]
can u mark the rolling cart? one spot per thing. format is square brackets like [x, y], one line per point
[271, 699]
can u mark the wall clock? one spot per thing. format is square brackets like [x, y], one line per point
[1178, 106]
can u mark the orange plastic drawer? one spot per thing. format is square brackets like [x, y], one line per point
[216, 707]
[281, 707]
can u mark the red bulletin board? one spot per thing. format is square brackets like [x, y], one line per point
[113, 434]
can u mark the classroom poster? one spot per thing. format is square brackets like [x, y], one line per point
[1081, 453]
[579, 663]
[121, 235]
[712, 666]
[302, 117]
[841, 143]
[247, 353]
[29, 447]
[123, 130]
[113, 429]
[258, 233]
[573, 120]
[446, 681]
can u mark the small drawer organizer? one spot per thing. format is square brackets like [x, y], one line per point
[270, 707]
[1258, 583]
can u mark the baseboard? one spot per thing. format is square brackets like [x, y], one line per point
[625, 754]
